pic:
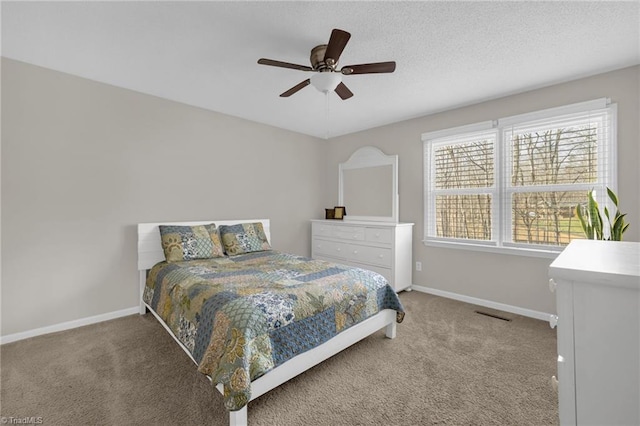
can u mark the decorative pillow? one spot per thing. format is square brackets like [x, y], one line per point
[190, 242]
[244, 238]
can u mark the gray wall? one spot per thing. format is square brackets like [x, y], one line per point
[84, 162]
[514, 280]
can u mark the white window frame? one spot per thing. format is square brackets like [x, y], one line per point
[456, 135]
[502, 189]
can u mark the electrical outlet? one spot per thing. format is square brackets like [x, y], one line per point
[418, 266]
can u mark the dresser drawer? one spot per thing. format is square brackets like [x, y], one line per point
[331, 248]
[372, 255]
[322, 230]
[379, 235]
[350, 233]
[347, 233]
[357, 253]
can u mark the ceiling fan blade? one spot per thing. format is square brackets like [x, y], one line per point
[281, 64]
[337, 43]
[343, 91]
[378, 67]
[295, 88]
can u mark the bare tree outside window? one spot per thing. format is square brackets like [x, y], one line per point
[464, 166]
[550, 157]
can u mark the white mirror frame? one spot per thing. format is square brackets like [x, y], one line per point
[370, 156]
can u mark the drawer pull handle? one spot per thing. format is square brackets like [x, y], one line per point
[381, 256]
[552, 285]
[338, 249]
[355, 252]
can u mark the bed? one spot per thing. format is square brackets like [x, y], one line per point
[251, 317]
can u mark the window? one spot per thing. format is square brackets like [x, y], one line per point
[513, 184]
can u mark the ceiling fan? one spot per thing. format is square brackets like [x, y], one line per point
[324, 60]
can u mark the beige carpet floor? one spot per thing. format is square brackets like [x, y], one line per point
[448, 366]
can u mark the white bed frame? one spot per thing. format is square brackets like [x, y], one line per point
[150, 252]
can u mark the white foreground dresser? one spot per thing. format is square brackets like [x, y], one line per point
[597, 286]
[381, 247]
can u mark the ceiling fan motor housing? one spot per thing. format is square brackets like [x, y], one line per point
[317, 58]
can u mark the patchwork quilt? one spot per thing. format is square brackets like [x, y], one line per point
[241, 316]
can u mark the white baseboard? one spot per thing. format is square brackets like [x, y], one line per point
[68, 325]
[486, 303]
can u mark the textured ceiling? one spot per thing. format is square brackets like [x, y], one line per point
[448, 54]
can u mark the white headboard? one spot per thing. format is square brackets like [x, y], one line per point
[150, 249]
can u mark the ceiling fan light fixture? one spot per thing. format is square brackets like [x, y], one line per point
[326, 81]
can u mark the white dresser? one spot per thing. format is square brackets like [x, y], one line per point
[597, 285]
[382, 247]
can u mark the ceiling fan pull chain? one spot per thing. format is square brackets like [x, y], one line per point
[326, 103]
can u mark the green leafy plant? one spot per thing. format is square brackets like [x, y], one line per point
[592, 223]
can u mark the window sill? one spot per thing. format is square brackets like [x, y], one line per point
[517, 251]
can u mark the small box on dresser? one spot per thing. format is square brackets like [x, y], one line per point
[597, 285]
[382, 247]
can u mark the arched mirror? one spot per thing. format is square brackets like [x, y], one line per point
[368, 186]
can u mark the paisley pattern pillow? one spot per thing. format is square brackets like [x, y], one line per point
[190, 242]
[244, 238]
